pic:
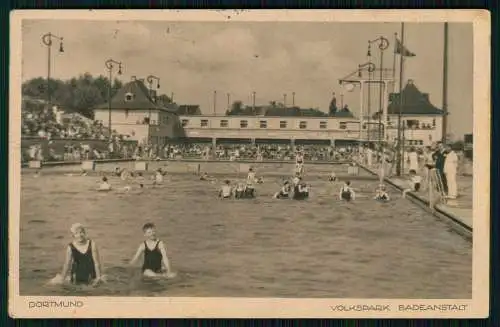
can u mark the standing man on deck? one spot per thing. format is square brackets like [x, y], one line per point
[450, 170]
[439, 158]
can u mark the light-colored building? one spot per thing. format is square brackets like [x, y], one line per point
[271, 128]
[136, 114]
[422, 121]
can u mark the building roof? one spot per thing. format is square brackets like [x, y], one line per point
[141, 99]
[414, 102]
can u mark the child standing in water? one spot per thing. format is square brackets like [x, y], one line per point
[82, 259]
[381, 194]
[346, 192]
[226, 192]
[156, 263]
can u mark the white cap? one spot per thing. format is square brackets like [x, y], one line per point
[76, 226]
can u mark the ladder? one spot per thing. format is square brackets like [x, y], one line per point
[436, 184]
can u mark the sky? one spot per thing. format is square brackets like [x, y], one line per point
[194, 59]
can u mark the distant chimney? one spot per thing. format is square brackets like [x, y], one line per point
[133, 78]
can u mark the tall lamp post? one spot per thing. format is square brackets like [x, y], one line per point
[47, 41]
[110, 64]
[383, 44]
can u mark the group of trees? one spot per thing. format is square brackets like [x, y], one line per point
[79, 94]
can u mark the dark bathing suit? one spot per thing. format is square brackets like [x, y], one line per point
[152, 258]
[346, 194]
[83, 267]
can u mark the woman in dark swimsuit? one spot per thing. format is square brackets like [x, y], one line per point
[83, 266]
[82, 259]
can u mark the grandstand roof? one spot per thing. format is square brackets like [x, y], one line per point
[414, 102]
[140, 99]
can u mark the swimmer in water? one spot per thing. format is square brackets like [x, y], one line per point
[301, 190]
[104, 186]
[226, 192]
[82, 259]
[239, 191]
[139, 179]
[260, 180]
[251, 176]
[83, 172]
[158, 177]
[206, 177]
[332, 177]
[284, 192]
[414, 183]
[156, 262]
[249, 190]
[381, 194]
[346, 192]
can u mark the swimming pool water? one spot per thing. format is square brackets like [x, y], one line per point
[244, 248]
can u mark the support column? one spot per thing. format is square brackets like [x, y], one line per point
[214, 147]
[292, 143]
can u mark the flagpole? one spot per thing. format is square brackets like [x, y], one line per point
[445, 83]
[394, 63]
[400, 146]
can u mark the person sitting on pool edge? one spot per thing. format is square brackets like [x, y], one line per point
[414, 183]
[82, 260]
[226, 192]
[381, 194]
[156, 262]
[346, 192]
[284, 192]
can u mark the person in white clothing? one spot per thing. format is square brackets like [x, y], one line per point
[450, 171]
[413, 159]
[369, 156]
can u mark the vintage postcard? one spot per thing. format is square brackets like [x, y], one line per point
[262, 163]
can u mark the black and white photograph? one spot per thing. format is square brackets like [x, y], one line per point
[249, 160]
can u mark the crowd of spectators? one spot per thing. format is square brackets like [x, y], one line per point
[54, 124]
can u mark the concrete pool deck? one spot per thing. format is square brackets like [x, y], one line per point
[459, 209]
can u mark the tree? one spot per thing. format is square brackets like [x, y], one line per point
[79, 94]
[333, 106]
[236, 108]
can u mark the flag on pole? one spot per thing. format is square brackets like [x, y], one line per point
[402, 50]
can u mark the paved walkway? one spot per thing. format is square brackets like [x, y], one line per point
[460, 209]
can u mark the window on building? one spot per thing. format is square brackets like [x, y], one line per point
[146, 120]
[322, 124]
[263, 124]
[185, 122]
[224, 123]
[283, 124]
[243, 123]
[129, 97]
[204, 123]
[343, 125]
[303, 125]
[420, 142]
[434, 122]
